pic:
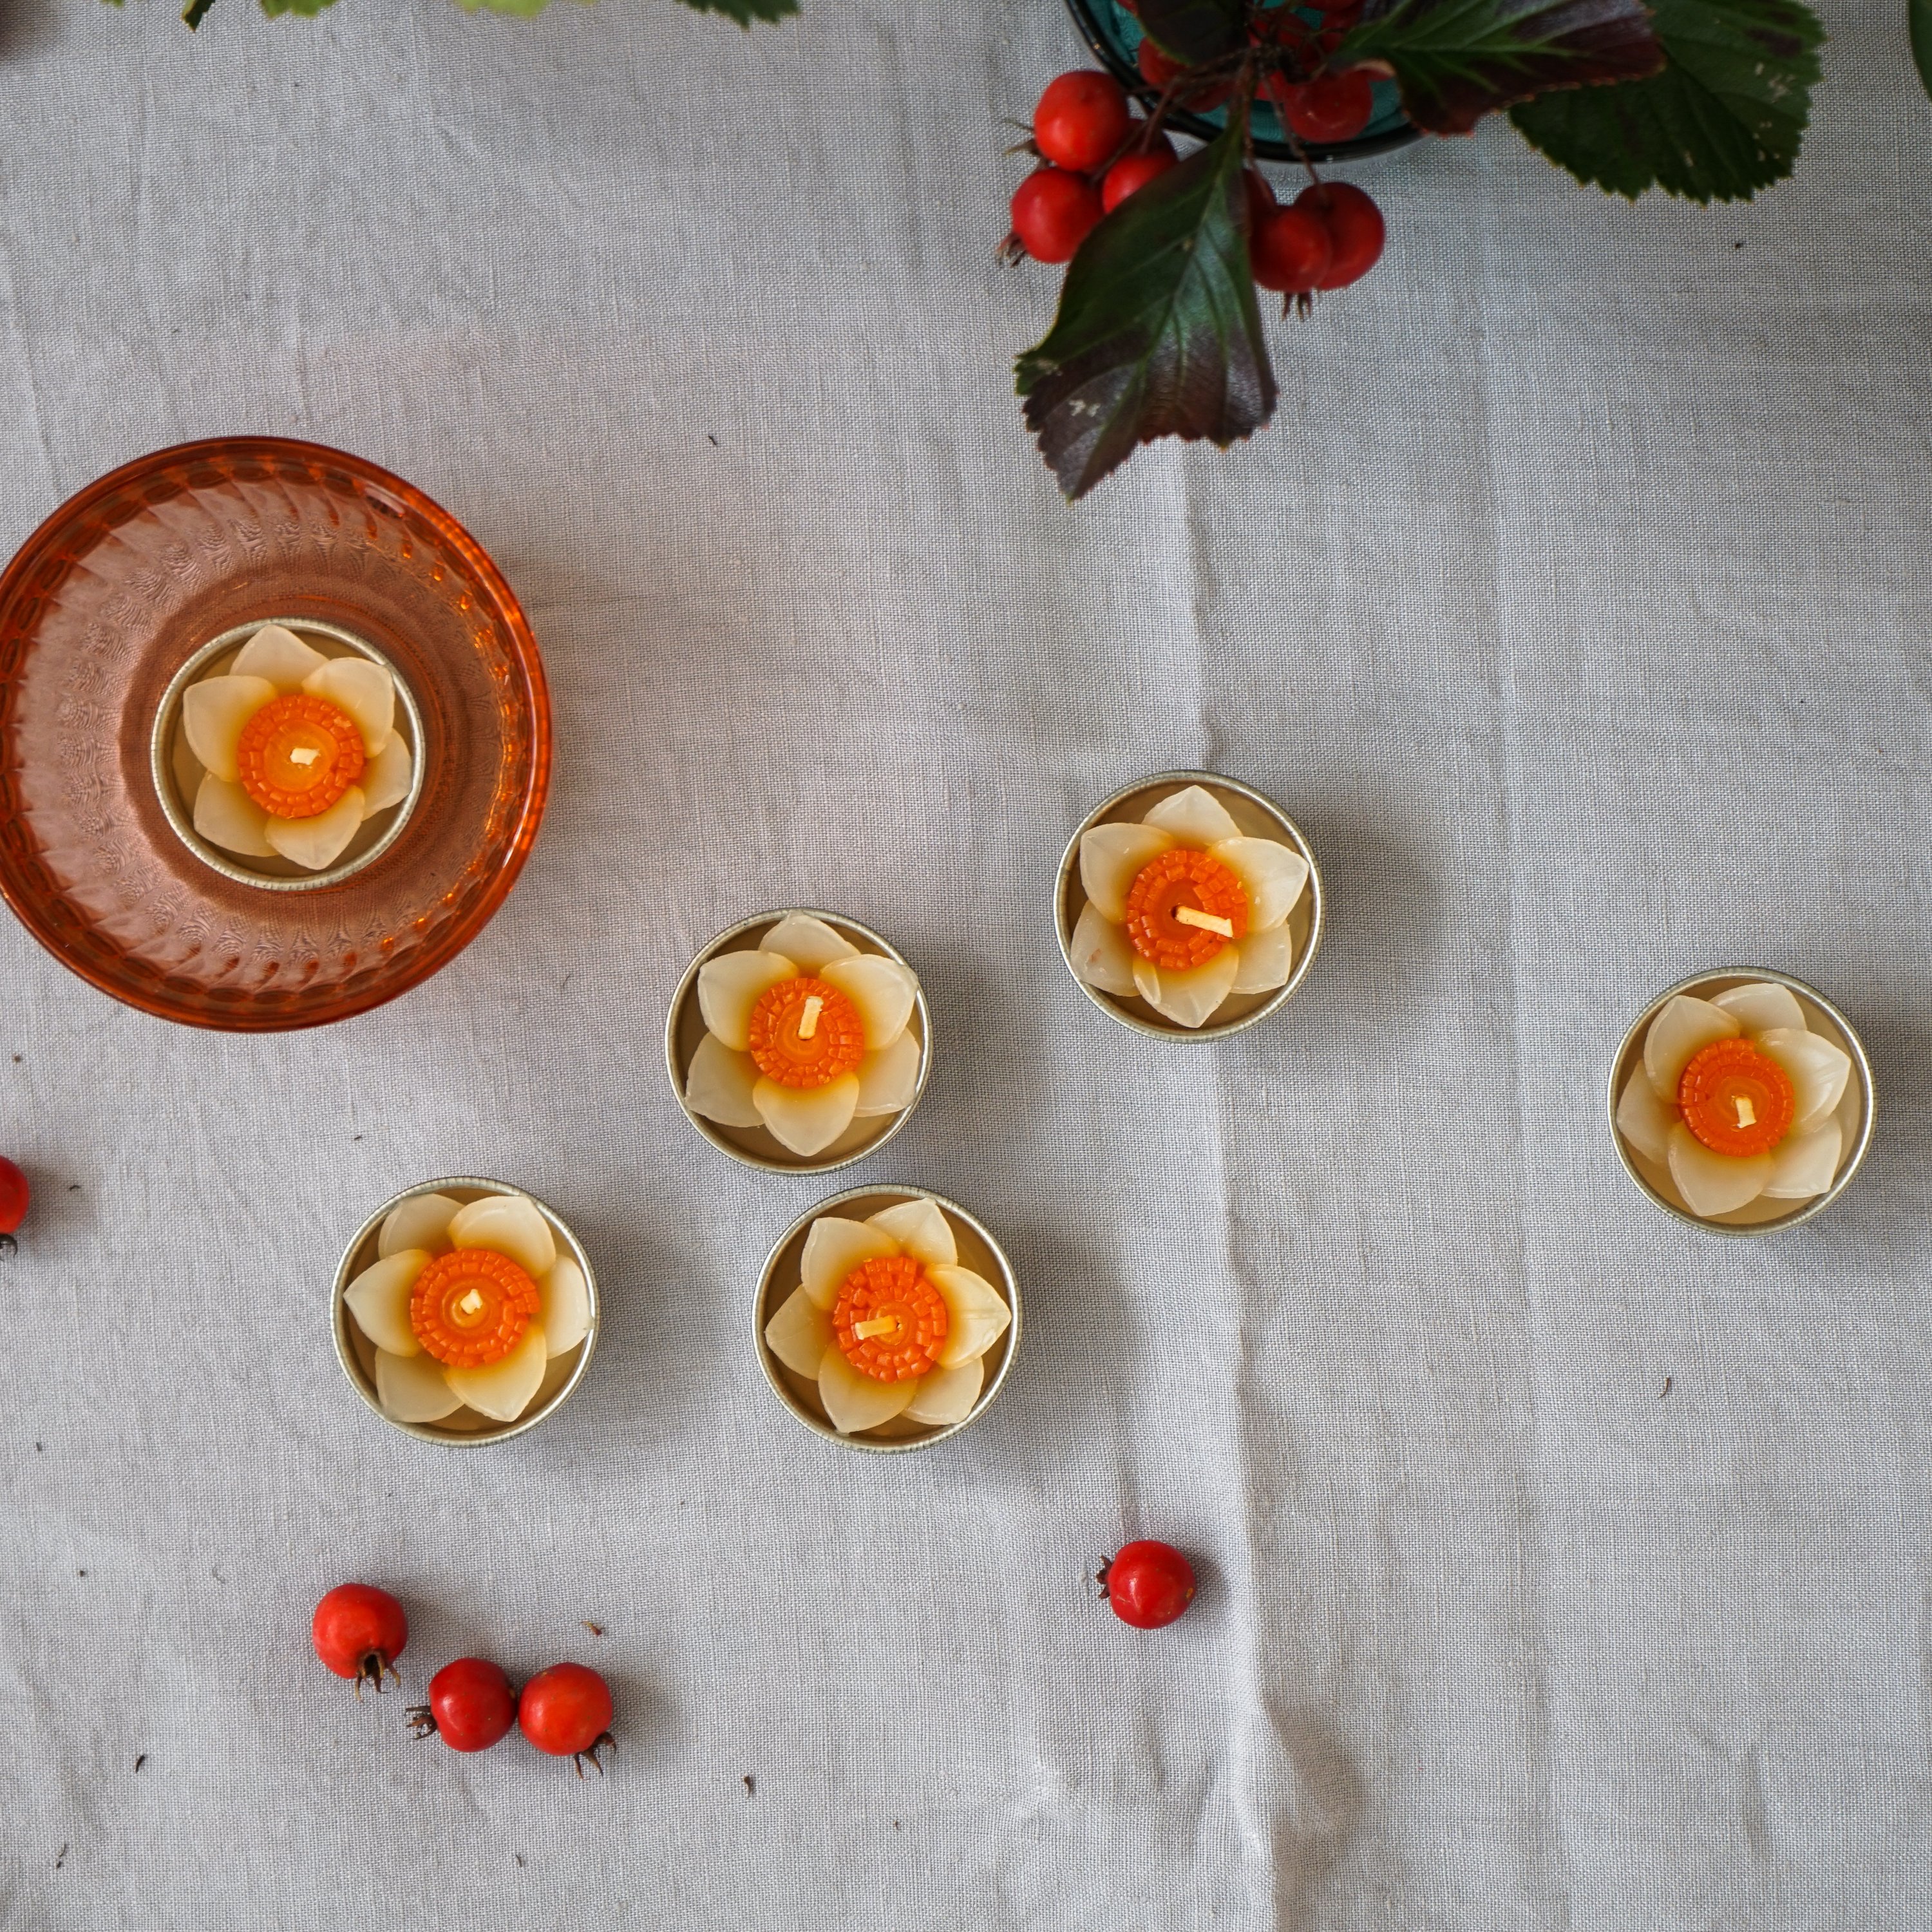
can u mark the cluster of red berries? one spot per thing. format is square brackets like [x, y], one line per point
[359, 1632]
[1097, 154]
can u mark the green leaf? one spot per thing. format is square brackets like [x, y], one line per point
[274, 8]
[1918, 22]
[1456, 60]
[195, 12]
[1722, 120]
[1158, 334]
[1195, 32]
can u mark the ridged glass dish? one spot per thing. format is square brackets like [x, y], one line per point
[113, 594]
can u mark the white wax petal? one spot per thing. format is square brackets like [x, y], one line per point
[921, 1229]
[1683, 1028]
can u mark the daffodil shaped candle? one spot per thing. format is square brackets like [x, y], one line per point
[887, 1318]
[798, 1040]
[1188, 904]
[465, 1309]
[290, 760]
[1742, 1100]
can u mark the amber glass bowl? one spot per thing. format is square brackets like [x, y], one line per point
[106, 601]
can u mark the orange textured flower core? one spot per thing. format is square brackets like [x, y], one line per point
[798, 1045]
[1736, 1099]
[299, 755]
[1184, 880]
[905, 1317]
[471, 1308]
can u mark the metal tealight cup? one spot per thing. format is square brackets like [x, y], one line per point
[1258, 816]
[168, 749]
[357, 1353]
[1762, 1215]
[757, 1146]
[978, 1250]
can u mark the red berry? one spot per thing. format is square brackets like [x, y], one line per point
[1081, 120]
[1291, 250]
[1132, 171]
[1157, 70]
[565, 1711]
[1149, 1584]
[359, 1632]
[470, 1706]
[1053, 212]
[13, 1197]
[1261, 197]
[1332, 107]
[1355, 230]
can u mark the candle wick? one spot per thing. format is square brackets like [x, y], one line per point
[1206, 921]
[882, 1325]
[304, 754]
[808, 1021]
[1747, 1113]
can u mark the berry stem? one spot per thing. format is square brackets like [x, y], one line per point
[371, 1669]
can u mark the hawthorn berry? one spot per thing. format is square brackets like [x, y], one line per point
[1331, 107]
[470, 1706]
[1261, 197]
[565, 1711]
[1053, 212]
[1356, 230]
[359, 1631]
[1149, 1584]
[1131, 173]
[1081, 120]
[1290, 251]
[14, 1195]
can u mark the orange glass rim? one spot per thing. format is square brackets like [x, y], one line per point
[76, 510]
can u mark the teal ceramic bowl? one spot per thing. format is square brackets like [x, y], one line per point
[1114, 35]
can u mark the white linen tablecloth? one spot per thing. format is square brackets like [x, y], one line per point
[1562, 1567]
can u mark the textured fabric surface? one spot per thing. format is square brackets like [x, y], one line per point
[1562, 1567]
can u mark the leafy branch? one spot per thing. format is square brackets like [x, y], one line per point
[1158, 331]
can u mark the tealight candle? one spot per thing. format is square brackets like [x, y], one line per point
[886, 1319]
[1742, 1100]
[798, 1040]
[465, 1311]
[292, 760]
[1189, 905]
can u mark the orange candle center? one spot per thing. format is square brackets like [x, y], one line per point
[299, 755]
[890, 1320]
[471, 1307]
[1736, 1099]
[805, 1034]
[1183, 907]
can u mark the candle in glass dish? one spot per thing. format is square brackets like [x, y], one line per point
[886, 1319]
[1742, 1100]
[464, 1311]
[1189, 905]
[288, 753]
[798, 1041]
